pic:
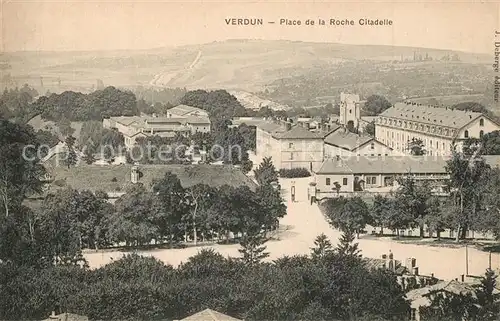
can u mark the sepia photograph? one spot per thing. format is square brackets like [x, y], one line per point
[249, 160]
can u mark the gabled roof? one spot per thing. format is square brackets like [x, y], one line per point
[209, 315]
[431, 115]
[420, 297]
[126, 120]
[279, 131]
[182, 110]
[346, 139]
[384, 165]
[297, 132]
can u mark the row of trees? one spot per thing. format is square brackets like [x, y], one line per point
[472, 203]
[331, 284]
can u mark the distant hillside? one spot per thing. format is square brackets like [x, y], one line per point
[233, 64]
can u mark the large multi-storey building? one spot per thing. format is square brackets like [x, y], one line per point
[289, 146]
[438, 128]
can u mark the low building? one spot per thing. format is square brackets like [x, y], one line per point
[422, 297]
[341, 142]
[183, 111]
[209, 315]
[360, 173]
[290, 146]
[134, 127]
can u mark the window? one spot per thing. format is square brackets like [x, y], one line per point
[372, 146]
[452, 233]
[350, 111]
[481, 122]
[392, 134]
[481, 133]
[371, 180]
[327, 181]
[344, 181]
[443, 146]
[290, 145]
[466, 134]
[291, 156]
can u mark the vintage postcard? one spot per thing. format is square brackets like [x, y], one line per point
[249, 160]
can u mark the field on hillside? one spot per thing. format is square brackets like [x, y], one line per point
[234, 64]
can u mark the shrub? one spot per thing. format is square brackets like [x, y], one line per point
[294, 173]
[114, 179]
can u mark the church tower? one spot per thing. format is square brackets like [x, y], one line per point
[350, 110]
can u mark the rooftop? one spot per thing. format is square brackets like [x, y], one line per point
[111, 178]
[182, 110]
[278, 131]
[209, 315]
[346, 139]
[430, 114]
[420, 297]
[392, 164]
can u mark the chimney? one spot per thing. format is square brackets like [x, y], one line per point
[329, 127]
[134, 174]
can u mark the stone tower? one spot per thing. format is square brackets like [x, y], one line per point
[350, 110]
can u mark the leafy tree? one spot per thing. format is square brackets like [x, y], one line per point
[71, 158]
[347, 213]
[134, 219]
[271, 205]
[346, 246]
[253, 249]
[467, 177]
[375, 105]
[412, 199]
[323, 247]
[173, 207]
[266, 173]
[370, 129]
[489, 144]
[416, 147]
[379, 209]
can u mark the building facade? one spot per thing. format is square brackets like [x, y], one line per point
[342, 143]
[438, 128]
[289, 146]
[350, 110]
[344, 176]
[136, 126]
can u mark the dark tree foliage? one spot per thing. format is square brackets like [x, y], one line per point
[416, 147]
[370, 129]
[266, 173]
[218, 103]
[76, 106]
[347, 214]
[489, 144]
[375, 105]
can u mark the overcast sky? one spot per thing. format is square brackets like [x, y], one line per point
[109, 25]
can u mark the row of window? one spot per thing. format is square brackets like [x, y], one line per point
[344, 181]
[369, 180]
[417, 126]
